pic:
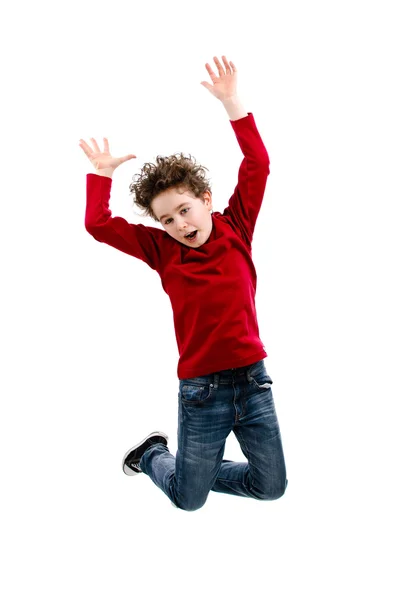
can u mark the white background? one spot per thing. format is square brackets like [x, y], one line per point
[89, 357]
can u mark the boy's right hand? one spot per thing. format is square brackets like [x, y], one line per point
[103, 160]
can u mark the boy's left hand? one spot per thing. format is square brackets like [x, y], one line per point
[225, 85]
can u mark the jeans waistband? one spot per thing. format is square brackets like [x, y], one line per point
[230, 375]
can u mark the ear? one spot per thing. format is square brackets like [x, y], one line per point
[208, 198]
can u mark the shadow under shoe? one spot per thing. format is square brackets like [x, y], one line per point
[131, 459]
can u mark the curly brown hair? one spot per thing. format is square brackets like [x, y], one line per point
[175, 171]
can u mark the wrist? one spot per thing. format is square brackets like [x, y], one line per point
[105, 172]
[234, 108]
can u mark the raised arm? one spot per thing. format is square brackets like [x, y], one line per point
[245, 202]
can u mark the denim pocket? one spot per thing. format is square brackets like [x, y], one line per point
[195, 393]
[262, 380]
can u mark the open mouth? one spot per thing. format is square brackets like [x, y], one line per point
[191, 236]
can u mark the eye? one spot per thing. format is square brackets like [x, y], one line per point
[167, 221]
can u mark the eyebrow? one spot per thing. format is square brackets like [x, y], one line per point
[178, 208]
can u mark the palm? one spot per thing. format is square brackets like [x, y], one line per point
[102, 160]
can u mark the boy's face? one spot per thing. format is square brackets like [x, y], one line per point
[180, 212]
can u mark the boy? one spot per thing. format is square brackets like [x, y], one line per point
[204, 261]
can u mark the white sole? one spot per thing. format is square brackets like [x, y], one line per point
[131, 472]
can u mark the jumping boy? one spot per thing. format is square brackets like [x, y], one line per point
[204, 260]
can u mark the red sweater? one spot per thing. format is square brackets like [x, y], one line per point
[211, 288]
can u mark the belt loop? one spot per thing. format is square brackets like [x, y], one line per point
[216, 379]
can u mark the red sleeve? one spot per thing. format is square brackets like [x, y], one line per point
[245, 203]
[137, 240]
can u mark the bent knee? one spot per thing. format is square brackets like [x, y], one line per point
[273, 494]
[190, 504]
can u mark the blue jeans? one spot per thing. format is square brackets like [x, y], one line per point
[209, 407]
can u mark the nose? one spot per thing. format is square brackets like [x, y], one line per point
[182, 227]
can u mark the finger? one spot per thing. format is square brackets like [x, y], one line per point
[85, 147]
[128, 157]
[219, 66]
[213, 76]
[95, 145]
[226, 63]
[106, 145]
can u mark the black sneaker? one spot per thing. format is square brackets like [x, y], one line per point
[131, 459]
